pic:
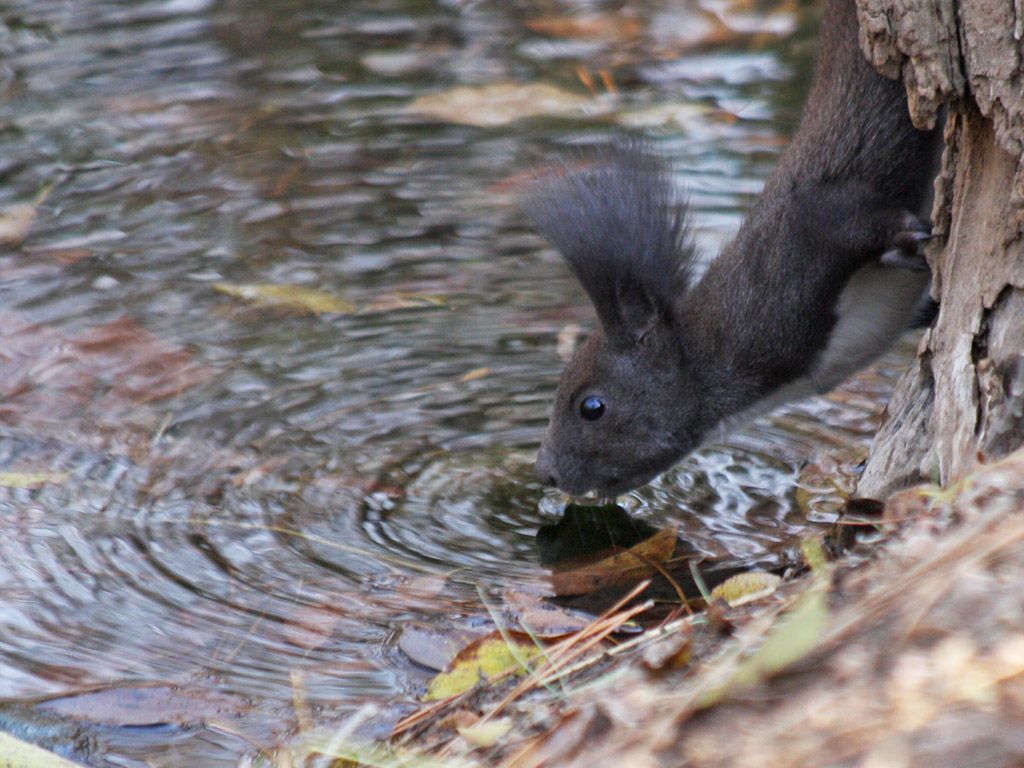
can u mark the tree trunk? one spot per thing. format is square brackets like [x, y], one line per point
[963, 399]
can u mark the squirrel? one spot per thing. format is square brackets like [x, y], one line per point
[823, 275]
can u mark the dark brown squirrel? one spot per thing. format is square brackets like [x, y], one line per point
[822, 277]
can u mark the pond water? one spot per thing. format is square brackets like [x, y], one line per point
[235, 497]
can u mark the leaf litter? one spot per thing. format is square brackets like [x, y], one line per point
[890, 647]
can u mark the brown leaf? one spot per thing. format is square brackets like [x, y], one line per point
[103, 372]
[611, 27]
[628, 567]
[539, 616]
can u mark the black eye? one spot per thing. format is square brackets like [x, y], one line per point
[592, 408]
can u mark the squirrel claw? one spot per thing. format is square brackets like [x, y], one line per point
[907, 252]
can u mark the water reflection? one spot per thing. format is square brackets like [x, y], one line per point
[234, 494]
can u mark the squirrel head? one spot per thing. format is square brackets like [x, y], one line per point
[629, 403]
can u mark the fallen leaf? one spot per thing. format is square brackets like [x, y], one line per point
[794, 635]
[482, 659]
[15, 222]
[21, 754]
[486, 734]
[498, 104]
[30, 479]
[288, 297]
[311, 626]
[435, 647]
[670, 652]
[611, 27]
[154, 705]
[103, 373]
[624, 568]
[400, 300]
[540, 617]
[745, 588]
[473, 375]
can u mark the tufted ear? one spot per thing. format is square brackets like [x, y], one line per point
[619, 222]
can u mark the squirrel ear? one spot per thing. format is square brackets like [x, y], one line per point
[634, 314]
[619, 222]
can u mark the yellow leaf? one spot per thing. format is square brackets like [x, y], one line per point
[288, 296]
[482, 659]
[30, 479]
[746, 587]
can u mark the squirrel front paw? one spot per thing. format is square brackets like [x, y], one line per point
[907, 246]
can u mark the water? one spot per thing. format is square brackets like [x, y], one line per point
[238, 496]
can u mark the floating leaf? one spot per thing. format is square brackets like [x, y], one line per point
[628, 567]
[482, 659]
[746, 587]
[498, 104]
[30, 479]
[288, 297]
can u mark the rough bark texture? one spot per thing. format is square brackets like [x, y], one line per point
[964, 397]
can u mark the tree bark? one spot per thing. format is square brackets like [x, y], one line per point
[963, 398]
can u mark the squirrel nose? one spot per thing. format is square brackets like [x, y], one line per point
[546, 472]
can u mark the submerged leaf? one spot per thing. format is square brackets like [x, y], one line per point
[498, 104]
[435, 647]
[149, 705]
[30, 479]
[15, 221]
[288, 296]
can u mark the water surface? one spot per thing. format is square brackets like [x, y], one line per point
[238, 496]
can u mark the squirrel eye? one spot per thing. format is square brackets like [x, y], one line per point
[592, 408]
